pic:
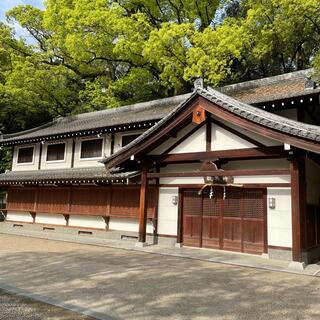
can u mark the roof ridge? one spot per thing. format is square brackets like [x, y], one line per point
[251, 84]
[136, 106]
[258, 112]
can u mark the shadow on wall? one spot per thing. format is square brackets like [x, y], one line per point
[131, 285]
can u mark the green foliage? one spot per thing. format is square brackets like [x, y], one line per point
[93, 54]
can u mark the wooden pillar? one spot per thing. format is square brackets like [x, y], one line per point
[143, 206]
[298, 207]
[180, 222]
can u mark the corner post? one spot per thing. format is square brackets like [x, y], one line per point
[298, 207]
[143, 207]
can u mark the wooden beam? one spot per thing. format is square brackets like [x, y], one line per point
[222, 173]
[298, 207]
[237, 154]
[143, 207]
[245, 185]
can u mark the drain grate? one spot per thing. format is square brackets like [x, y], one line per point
[126, 237]
[17, 225]
[85, 232]
[48, 229]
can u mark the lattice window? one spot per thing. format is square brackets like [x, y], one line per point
[192, 202]
[212, 207]
[253, 203]
[232, 203]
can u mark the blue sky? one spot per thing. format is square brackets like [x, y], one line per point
[5, 5]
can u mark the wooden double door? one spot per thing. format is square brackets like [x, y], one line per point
[233, 219]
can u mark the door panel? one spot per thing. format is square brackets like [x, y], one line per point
[236, 223]
[192, 208]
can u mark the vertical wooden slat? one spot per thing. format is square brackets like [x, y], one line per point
[143, 207]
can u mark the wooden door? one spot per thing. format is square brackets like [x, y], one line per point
[232, 220]
[192, 218]
[236, 223]
[211, 219]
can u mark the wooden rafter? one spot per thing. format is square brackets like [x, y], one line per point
[222, 173]
[235, 154]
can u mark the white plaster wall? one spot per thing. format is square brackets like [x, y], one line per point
[170, 141]
[118, 138]
[57, 219]
[262, 179]
[257, 164]
[189, 167]
[262, 139]
[126, 224]
[195, 143]
[167, 212]
[94, 162]
[87, 222]
[19, 216]
[313, 182]
[66, 163]
[222, 139]
[279, 219]
[26, 166]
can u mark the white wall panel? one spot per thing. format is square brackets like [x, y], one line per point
[78, 163]
[26, 166]
[169, 142]
[19, 216]
[262, 179]
[87, 221]
[66, 163]
[57, 219]
[126, 224]
[167, 212]
[195, 143]
[262, 139]
[279, 219]
[222, 139]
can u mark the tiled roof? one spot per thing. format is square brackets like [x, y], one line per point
[284, 86]
[74, 174]
[243, 110]
[288, 85]
[140, 112]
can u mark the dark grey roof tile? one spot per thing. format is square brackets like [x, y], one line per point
[96, 173]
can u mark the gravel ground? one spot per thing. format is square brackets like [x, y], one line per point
[14, 307]
[120, 284]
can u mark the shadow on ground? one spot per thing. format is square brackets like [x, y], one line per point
[133, 285]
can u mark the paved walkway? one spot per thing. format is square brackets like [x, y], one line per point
[224, 257]
[112, 283]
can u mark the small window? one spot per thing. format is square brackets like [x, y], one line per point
[25, 155]
[91, 149]
[129, 138]
[55, 152]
